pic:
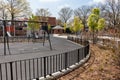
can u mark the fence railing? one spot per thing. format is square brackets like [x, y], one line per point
[34, 68]
[23, 39]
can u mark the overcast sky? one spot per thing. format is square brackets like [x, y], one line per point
[54, 6]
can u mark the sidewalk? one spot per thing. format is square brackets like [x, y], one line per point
[60, 36]
[107, 37]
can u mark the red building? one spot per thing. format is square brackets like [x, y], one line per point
[49, 20]
[52, 21]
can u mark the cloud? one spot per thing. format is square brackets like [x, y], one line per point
[62, 6]
[49, 0]
[92, 2]
[99, 1]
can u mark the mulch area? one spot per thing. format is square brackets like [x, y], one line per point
[102, 65]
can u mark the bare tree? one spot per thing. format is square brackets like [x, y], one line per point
[43, 12]
[83, 13]
[3, 11]
[113, 12]
[13, 9]
[59, 22]
[65, 14]
[17, 8]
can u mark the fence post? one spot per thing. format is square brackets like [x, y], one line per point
[44, 59]
[59, 63]
[37, 70]
[84, 51]
[11, 70]
[66, 58]
[0, 72]
[88, 47]
[78, 56]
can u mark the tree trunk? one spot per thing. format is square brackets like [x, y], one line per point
[12, 23]
[12, 18]
[93, 37]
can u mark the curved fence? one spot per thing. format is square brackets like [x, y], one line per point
[23, 39]
[34, 68]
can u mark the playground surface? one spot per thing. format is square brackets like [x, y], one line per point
[27, 50]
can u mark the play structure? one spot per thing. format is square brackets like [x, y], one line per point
[9, 35]
[10, 30]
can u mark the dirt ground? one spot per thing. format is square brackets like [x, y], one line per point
[104, 64]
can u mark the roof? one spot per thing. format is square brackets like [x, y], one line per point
[57, 27]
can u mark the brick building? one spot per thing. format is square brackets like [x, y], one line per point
[52, 21]
[49, 20]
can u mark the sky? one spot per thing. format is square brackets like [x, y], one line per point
[54, 6]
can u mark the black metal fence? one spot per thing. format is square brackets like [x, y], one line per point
[35, 68]
[23, 39]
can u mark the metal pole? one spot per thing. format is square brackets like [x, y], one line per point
[49, 40]
[4, 23]
[43, 38]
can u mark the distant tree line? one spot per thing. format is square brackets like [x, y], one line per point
[110, 10]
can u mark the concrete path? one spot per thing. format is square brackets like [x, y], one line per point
[110, 38]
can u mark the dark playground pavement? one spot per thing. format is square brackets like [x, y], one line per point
[30, 50]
